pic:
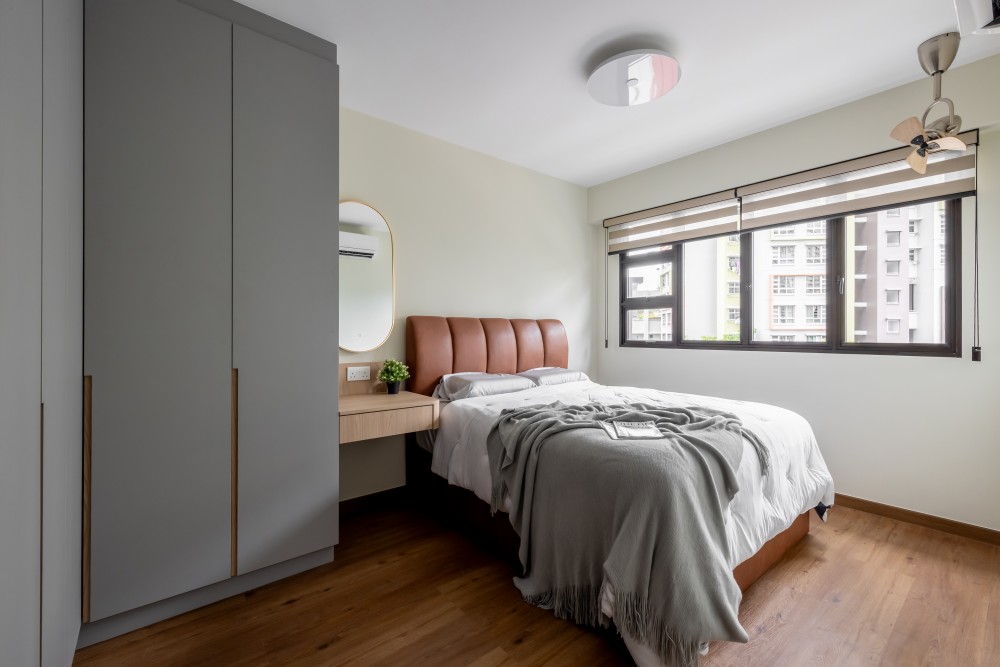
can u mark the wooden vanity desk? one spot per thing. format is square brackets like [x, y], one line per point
[367, 416]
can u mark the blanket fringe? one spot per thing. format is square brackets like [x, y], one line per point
[633, 616]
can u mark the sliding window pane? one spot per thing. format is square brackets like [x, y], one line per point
[649, 325]
[789, 284]
[892, 295]
[711, 289]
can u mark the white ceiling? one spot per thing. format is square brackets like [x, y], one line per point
[508, 78]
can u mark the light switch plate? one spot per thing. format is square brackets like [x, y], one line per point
[359, 373]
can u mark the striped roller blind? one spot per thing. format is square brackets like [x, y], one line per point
[873, 182]
[710, 215]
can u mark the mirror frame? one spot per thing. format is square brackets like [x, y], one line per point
[392, 243]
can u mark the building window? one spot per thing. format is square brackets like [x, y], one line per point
[914, 226]
[892, 326]
[815, 338]
[734, 238]
[734, 263]
[783, 315]
[815, 314]
[733, 287]
[733, 314]
[815, 254]
[913, 297]
[817, 227]
[892, 267]
[815, 284]
[892, 238]
[783, 285]
[892, 296]
[783, 338]
[914, 255]
[782, 254]
[892, 212]
[783, 231]
[940, 255]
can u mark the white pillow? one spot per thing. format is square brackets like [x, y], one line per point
[549, 375]
[469, 385]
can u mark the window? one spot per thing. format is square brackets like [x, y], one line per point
[783, 284]
[892, 238]
[815, 254]
[783, 315]
[815, 314]
[692, 293]
[648, 296]
[782, 254]
[734, 238]
[818, 227]
[928, 291]
[783, 231]
[708, 307]
[892, 212]
[914, 226]
[815, 284]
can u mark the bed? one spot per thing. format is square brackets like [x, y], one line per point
[767, 516]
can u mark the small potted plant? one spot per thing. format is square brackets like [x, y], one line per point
[392, 373]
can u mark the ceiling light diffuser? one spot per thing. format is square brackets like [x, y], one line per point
[634, 77]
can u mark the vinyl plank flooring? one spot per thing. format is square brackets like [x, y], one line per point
[405, 590]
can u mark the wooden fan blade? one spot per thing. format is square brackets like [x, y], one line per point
[917, 162]
[950, 144]
[907, 130]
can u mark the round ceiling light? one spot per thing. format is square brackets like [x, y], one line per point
[634, 77]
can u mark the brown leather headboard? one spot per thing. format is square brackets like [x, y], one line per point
[436, 346]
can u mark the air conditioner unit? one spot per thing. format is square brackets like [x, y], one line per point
[978, 17]
[358, 245]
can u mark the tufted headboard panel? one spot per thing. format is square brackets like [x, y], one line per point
[436, 346]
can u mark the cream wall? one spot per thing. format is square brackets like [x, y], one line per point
[474, 236]
[918, 433]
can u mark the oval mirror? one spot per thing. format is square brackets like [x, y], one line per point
[367, 299]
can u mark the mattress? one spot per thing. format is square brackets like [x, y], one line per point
[764, 506]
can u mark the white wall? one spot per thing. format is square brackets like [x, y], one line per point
[41, 257]
[918, 433]
[474, 236]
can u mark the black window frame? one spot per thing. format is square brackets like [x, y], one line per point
[834, 302]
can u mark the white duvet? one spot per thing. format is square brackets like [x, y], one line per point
[763, 507]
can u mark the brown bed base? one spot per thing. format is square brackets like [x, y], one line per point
[436, 346]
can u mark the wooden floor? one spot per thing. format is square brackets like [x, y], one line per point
[405, 590]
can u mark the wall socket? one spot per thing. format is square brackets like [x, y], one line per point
[359, 373]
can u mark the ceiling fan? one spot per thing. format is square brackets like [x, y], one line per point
[936, 56]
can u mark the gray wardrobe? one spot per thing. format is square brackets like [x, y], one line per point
[210, 323]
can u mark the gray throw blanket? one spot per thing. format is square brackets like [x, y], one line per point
[645, 516]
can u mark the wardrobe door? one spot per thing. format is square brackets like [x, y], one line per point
[157, 292]
[285, 194]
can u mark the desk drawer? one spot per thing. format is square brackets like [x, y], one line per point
[366, 425]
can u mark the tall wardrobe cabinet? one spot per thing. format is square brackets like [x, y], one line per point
[210, 323]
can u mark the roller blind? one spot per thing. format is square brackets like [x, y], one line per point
[875, 182]
[872, 182]
[695, 218]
